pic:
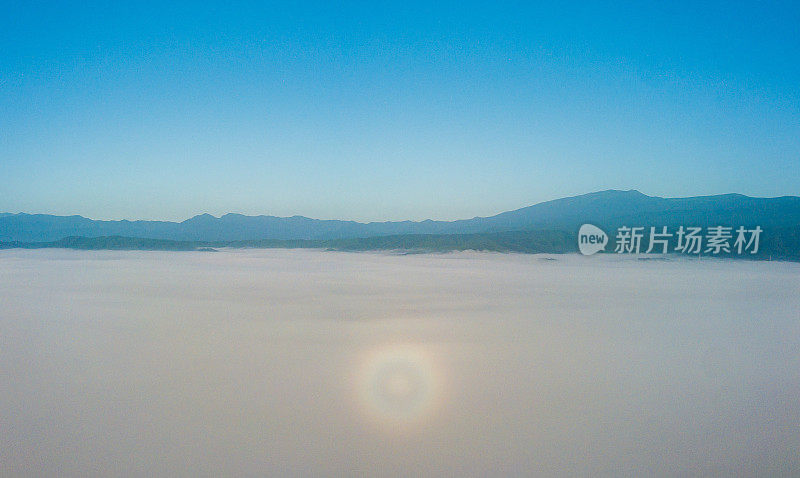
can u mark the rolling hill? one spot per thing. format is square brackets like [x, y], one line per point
[608, 209]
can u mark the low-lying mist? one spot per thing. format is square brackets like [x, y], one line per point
[312, 363]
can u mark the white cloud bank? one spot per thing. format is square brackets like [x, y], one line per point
[319, 363]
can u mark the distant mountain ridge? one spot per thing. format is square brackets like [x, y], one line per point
[610, 209]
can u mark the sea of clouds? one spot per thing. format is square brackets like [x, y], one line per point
[313, 363]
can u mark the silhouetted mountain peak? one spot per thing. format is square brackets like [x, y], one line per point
[205, 217]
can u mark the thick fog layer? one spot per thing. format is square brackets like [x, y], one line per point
[310, 363]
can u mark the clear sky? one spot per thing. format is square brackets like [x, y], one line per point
[367, 111]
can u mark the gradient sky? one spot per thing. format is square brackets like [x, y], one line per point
[164, 110]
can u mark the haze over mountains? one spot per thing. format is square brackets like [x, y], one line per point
[610, 209]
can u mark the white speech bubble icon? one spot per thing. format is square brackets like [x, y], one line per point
[591, 239]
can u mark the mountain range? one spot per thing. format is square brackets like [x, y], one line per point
[608, 209]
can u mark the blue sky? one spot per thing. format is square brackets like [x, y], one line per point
[373, 111]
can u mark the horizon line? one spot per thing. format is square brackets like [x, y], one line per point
[6, 214]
